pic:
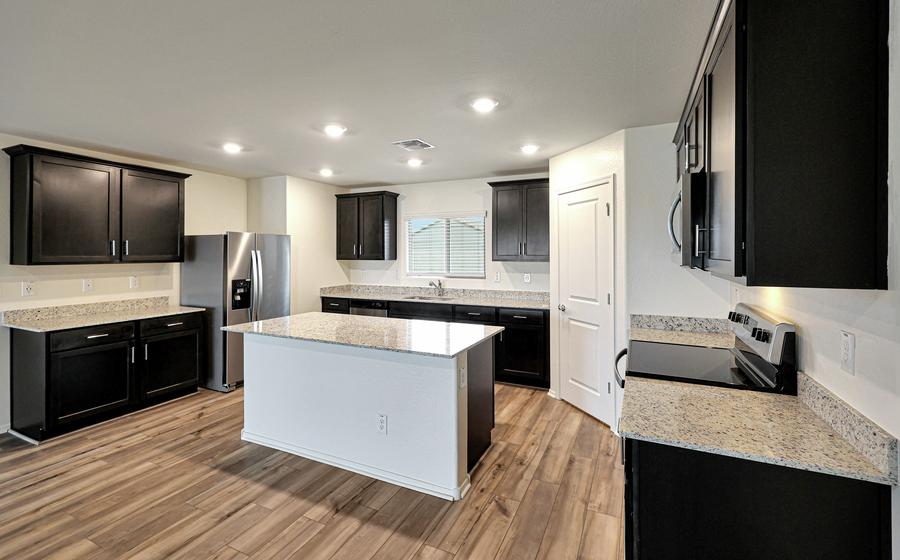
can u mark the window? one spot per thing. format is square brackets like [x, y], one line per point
[450, 246]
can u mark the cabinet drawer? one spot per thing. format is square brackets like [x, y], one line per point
[474, 313]
[522, 316]
[335, 305]
[171, 323]
[90, 336]
[433, 311]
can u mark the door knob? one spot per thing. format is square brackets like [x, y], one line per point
[561, 307]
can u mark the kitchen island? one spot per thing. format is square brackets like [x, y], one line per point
[404, 401]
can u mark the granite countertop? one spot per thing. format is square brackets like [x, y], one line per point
[59, 318]
[765, 427]
[427, 338]
[487, 298]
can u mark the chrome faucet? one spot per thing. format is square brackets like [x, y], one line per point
[437, 285]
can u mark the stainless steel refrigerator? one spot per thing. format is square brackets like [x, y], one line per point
[239, 277]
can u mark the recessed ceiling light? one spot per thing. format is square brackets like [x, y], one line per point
[484, 104]
[529, 149]
[325, 172]
[335, 130]
[414, 162]
[232, 148]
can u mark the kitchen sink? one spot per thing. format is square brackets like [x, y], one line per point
[429, 298]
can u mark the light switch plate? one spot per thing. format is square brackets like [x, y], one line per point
[27, 289]
[528, 278]
[848, 352]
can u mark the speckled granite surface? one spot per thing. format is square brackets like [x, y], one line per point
[428, 338]
[688, 324]
[814, 431]
[709, 339]
[490, 298]
[776, 429]
[62, 317]
[878, 446]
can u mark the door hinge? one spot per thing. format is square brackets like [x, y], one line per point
[608, 299]
[607, 209]
[609, 388]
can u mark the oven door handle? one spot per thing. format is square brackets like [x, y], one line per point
[670, 223]
[620, 381]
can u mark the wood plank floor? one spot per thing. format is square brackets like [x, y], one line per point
[176, 482]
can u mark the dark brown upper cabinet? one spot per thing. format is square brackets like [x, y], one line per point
[521, 220]
[786, 121]
[367, 226]
[71, 209]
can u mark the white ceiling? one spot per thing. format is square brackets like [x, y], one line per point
[171, 80]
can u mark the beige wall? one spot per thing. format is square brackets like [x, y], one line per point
[213, 203]
[467, 195]
[306, 211]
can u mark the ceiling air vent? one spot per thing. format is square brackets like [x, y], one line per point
[413, 145]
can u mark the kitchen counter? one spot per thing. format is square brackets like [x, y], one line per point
[58, 318]
[764, 427]
[427, 338]
[452, 296]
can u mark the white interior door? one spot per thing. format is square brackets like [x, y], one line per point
[586, 276]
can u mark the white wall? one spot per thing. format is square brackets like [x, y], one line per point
[450, 196]
[306, 211]
[213, 203]
[873, 316]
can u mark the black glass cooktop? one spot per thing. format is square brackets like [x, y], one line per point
[692, 364]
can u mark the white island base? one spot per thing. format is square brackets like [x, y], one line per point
[324, 401]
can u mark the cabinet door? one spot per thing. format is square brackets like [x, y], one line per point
[507, 223]
[521, 355]
[536, 240]
[75, 214]
[347, 227]
[152, 217]
[371, 227]
[88, 382]
[171, 362]
[724, 254]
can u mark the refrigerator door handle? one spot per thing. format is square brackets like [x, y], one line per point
[260, 293]
[254, 286]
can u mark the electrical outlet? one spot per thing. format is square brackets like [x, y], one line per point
[463, 378]
[848, 352]
[382, 424]
[27, 289]
[87, 285]
[497, 276]
[134, 282]
[528, 278]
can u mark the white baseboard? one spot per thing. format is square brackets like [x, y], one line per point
[4, 428]
[24, 438]
[451, 494]
[553, 394]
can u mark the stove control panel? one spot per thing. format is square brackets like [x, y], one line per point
[760, 331]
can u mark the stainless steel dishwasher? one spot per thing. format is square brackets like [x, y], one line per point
[368, 307]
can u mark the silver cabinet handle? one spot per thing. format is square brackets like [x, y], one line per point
[561, 307]
[671, 222]
[687, 152]
[334, 304]
[354, 249]
[474, 314]
[132, 354]
[174, 324]
[524, 247]
[113, 247]
[145, 352]
[519, 317]
[96, 336]
[125, 247]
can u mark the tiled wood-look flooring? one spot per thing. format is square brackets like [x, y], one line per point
[176, 482]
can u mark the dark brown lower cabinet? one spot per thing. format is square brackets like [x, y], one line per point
[523, 348]
[687, 504]
[65, 380]
[171, 364]
[90, 382]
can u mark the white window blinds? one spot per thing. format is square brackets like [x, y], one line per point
[445, 246]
